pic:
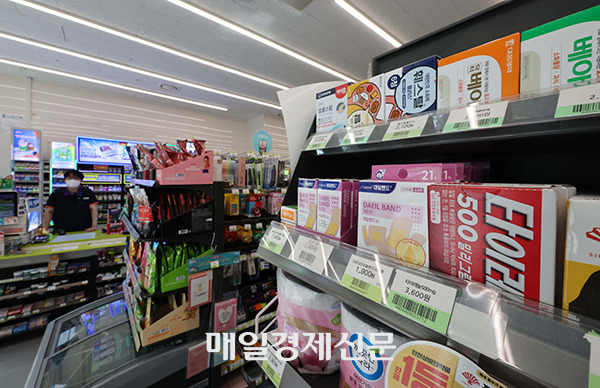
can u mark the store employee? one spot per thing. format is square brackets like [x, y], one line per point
[72, 208]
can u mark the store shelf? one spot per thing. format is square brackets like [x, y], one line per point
[143, 182]
[43, 291]
[115, 279]
[26, 171]
[43, 310]
[228, 368]
[250, 323]
[240, 246]
[22, 279]
[203, 237]
[104, 265]
[523, 343]
[138, 290]
[241, 220]
[37, 328]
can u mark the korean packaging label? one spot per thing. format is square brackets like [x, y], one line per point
[307, 203]
[481, 74]
[562, 52]
[334, 207]
[392, 220]
[366, 102]
[332, 108]
[500, 235]
[411, 89]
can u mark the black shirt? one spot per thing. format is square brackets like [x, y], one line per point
[72, 211]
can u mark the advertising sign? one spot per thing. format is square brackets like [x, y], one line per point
[92, 150]
[63, 155]
[26, 145]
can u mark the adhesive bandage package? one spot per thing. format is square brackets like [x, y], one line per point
[502, 235]
[307, 203]
[335, 209]
[303, 309]
[582, 257]
[481, 74]
[562, 52]
[366, 102]
[332, 108]
[411, 89]
[431, 172]
[392, 220]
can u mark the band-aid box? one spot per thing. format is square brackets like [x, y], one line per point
[429, 172]
[332, 108]
[564, 51]
[502, 235]
[307, 203]
[392, 220]
[335, 209]
[483, 73]
[411, 89]
[366, 103]
[582, 257]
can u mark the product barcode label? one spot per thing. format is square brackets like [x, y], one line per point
[579, 101]
[312, 254]
[360, 284]
[367, 277]
[318, 141]
[405, 128]
[274, 240]
[358, 135]
[460, 126]
[273, 366]
[479, 116]
[423, 300]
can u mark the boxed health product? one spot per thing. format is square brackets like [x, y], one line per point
[392, 220]
[365, 102]
[582, 257]
[307, 203]
[411, 89]
[289, 214]
[562, 52]
[332, 108]
[503, 235]
[483, 73]
[429, 172]
[335, 209]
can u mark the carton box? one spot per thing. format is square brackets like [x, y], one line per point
[307, 203]
[481, 74]
[411, 89]
[335, 209]
[502, 235]
[366, 103]
[428, 172]
[562, 52]
[582, 257]
[289, 214]
[332, 108]
[392, 220]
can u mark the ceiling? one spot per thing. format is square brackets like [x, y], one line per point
[321, 31]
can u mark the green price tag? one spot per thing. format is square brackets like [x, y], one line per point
[318, 142]
[358, 135]
[580, 101]
[475, 117]
[405, 128]
[273, 366]
[361, 276]
[275, 241]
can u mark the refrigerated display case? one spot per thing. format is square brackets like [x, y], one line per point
[93, 346]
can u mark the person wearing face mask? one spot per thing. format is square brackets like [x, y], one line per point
[72, 208]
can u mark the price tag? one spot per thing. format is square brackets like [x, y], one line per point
[27, 293]
[64, 304]
[273, 366]
[318, 141]
[367, 277]
[235, 191]
[405, 128]
[26, 314]
[248, 226]
[11, 317]
[312, 254]
[275, 240]
[35, 311]
[233, 228]
[422, 300]
[246, 191]
[84, 282]
[259, 225]
[82, 300]
[358, 135]
[479, 116]
[51, 288]
[214, 264]
[583, 100]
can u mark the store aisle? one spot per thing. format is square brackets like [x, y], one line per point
[16, 357]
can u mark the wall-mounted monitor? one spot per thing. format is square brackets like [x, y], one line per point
[92, 150]
[26, 145]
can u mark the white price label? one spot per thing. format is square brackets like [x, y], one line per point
[233, 228]
[84, 282]
[367, 277]
[406, 127]
[318, 142]
[235, 191]
[273, 366]
[259, 225]
[27, 293]
[579, 101]
[214, 264]
[275, 240]
[246, 191]
[476, 116]
[62, 305]
[35, 311]
[247, 226]
[51, 288]
[312, 254]
[358, 135]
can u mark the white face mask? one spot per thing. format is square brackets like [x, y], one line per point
[72, 183]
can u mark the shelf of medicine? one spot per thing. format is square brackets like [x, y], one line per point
[524, 343]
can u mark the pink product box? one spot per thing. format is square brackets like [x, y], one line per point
[196, 171]
[337, 216]
[430, 172]
[307, 203]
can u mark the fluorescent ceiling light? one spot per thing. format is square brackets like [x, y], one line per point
[111, 84]
[364, 20]
[136, 70]
[259, 38]
[124, 35]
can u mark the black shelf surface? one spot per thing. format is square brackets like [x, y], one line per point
[43, 310]
[44, 290]
[241, 220]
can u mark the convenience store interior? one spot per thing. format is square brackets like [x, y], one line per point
[235, 81]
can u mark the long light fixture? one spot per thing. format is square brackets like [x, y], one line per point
[133, 69]
[258, 38]
[367, 22]
[124, 35]
[111, 84]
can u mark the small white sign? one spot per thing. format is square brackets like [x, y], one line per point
[319, 141]
[372, 272]
[405, 127]
[358, 135]
[579, 101]
[433, 294]
[312, 254]
[476, 116]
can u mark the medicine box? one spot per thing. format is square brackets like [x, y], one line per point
[481, 74]
[502, 235]
[562, 52]
[582, 257]
[332, 108]
[307, 203]
[335, 209]
[411, 89]
[289, 214]
[429, 172]
[366, 102]
[392, 220]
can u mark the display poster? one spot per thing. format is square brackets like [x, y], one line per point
[92, 150]
[262, 142]
[63, 155]
[26, 145]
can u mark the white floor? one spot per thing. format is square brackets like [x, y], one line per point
[16, 357]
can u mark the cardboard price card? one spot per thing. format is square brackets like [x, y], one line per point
[367, 277]
[358, 135]
[405, 128]
[274, 240]
[584, 100]
[474, 117]
[428, 364]
[312, 254]
[273, 366]
[318, 142]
